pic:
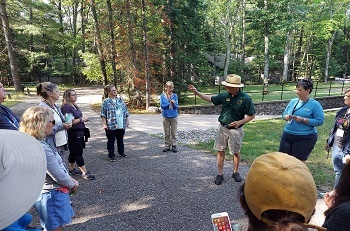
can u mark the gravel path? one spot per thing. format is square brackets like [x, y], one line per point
[150, 190]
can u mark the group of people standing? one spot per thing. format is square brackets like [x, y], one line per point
[48, 124]
[274, 176]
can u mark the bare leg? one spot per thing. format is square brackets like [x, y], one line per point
[220, 161]
[83, 169]
[71, 166]
[236, 160]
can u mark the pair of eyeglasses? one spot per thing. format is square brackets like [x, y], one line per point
[52, 121]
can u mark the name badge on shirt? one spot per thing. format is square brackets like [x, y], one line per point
[120, 119]
[339, 132]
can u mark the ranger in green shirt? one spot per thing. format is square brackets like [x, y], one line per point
[237, 109]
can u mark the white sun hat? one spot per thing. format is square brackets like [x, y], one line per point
[233, 80]
[22, 174]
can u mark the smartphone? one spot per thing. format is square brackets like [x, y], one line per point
[221, 222]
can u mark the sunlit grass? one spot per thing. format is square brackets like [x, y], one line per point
[16, 98]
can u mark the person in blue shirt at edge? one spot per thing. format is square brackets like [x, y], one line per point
[303, 115]
[169, 104]
[8, 120]
[237, 109]
[115, 119]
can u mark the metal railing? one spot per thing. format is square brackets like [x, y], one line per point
[281, 91]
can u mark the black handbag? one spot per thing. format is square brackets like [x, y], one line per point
[86, 134]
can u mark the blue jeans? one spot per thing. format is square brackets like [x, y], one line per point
[54, 209]
[113, 135]
[337, 159]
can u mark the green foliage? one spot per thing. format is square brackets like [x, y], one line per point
[92, 68]
[180, 33]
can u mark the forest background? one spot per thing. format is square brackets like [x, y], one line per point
[139, 45]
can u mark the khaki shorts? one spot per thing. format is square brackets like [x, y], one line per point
[229, 138]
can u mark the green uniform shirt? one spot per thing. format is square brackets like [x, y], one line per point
[233, 108]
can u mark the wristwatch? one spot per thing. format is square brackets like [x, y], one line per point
[80, 120]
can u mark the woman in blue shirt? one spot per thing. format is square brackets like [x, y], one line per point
[302, 114]
[169, 104]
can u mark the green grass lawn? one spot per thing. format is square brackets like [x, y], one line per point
[16, 98]
[263, 136]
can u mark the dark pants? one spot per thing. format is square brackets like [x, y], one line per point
[76, 145]
[299, 146]
[113, 135]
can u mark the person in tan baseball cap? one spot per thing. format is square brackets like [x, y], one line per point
[279, 193]
[237, 110]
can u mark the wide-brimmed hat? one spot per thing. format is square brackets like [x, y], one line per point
[233, 80]
[278, 181]
[22, 174]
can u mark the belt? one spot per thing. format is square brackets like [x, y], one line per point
[226, 126]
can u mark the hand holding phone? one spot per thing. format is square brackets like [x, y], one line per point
[221, 222]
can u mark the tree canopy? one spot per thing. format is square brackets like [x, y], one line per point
[135, 44]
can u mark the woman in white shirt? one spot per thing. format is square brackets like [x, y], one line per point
[58, 137]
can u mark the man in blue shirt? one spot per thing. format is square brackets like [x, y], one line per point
[237, 109]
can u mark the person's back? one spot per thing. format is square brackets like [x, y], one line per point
[279, 194]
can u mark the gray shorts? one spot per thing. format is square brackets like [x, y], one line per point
[231, 138]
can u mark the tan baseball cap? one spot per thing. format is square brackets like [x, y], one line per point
[278, 181]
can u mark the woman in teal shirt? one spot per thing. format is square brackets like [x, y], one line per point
[302, 114]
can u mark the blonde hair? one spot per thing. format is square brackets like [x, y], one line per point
[34, 120]
[43, 88]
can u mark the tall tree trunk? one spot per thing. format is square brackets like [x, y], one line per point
[10, 45]
[31, 37]
[131, 43]
[172, 47]
[98, 43]
[228, 29]
[60, 14]
[243, 30]
[328, 55]
[266, 55]
[113, 48]
[329, 47]
[144, 29]
[74, 34]
[83, 18]
[286, 57]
